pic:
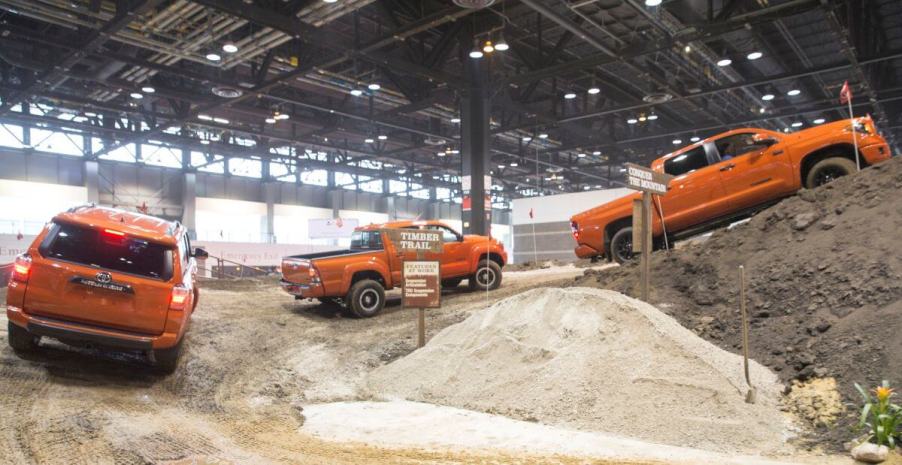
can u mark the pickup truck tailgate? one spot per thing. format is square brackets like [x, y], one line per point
[297, 270]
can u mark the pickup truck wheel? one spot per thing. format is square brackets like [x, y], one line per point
[828, 170]
[366, 298]
[622, 245]
[20, 339]
[451, 283]
[487, 276]
[167, 360]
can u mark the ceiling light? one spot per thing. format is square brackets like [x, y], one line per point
[90, 114]
[593, 90]
[754, 55]
[488, 47]
[581, 155]
[203, 117]
[569, 95]
[502, 46]
[454, 152]
[596, 153]
[455, 120]
[382, 137]
[374, 86]
[329, 1]
[441, 154]
[820, 121]
[762, 110]
[652, 117]
[642, 118]
[229, 47]
[695, 139]
[213, 56]
[476, 53]
[797, 124]
[543, 136]
[725, 62]
[767, 97]
[148, 90]
[204, 142]
[369, 140]
[677, 141]
[785, 129]
[687, 49]
[501, 167]
[136, 95]
[356, 92]
[220, 120]
[527, 138]
[270, 121]
[281, 116]
[514, 164]
[632, 121]
[652, 2]
[794, 92]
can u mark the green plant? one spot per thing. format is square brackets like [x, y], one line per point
[880, 416]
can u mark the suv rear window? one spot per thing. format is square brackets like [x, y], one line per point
[686, 162]
[109, 250]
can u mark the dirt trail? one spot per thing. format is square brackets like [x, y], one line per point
[825, 283]
[254, 359]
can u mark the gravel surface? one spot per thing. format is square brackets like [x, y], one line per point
[825, 282]
[593, 360]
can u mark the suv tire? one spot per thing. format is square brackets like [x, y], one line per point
[20, 339]
[167, 360]
[622, 245]
[366, 298]
[828, 170]
[486, 277]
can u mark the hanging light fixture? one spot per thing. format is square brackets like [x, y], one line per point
[502, 45]
[213, 56]
[356, 92]
[487, 47]
[148, 89]
[369, 140]
[476, 53]
[270, 120]
[570, 95]
[229, 47]
[593, 90]
[374, 86]
[724, 62]
[382, 137]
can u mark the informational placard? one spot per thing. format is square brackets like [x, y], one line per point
[422, 286]
[466, 183]
[416, 240]
[332, 228]
[645, 179]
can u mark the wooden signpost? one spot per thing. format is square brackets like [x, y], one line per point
[421, 284]
[648, 182]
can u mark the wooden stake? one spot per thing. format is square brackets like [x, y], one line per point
[645, 260]
[421, 317]
[752, 394]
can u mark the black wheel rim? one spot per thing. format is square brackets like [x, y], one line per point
[624, 249]
[826, 175]
[369, 300]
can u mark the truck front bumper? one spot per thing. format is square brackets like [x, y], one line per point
[302, 290]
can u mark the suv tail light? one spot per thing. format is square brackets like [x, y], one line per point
[21, 268]
[179, 297]
[574, 229]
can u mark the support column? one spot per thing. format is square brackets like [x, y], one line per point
[475, 150]
[336, 197]
[270, 189]
[189, 203]
[92, 181]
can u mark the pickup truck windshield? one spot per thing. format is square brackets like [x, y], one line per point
[366, 240]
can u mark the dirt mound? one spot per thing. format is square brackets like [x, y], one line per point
[825, 281]
[594, 360]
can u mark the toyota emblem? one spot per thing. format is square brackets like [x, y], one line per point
[103, 277]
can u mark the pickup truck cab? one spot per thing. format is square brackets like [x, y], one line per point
[105, 278]
[728, 176]
[358, 277]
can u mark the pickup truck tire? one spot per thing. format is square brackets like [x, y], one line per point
[828, 170]
[20, 339]
[622, 245]
[366, 298]
[167, 360]
[451, 283]
[487, 276]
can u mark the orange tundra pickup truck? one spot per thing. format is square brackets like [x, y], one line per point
[105, 278]
[359, 276]
[729, 176]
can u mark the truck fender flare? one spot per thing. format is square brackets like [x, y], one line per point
[477, 251]
[378, 268]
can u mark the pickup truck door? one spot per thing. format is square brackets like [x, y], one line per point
[694, 191]
[454, 257]
[754, 169]
[395, 260]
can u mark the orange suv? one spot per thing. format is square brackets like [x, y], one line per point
[105, 278]
[728, 176]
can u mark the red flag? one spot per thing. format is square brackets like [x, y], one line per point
[530, 214]
[20, 236]
[143, 208]
[845, 95]
[339, 222]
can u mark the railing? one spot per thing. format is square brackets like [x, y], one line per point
[219, 271]
[5, 271]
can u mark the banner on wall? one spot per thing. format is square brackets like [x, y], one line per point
[332, 228]
[12, 245]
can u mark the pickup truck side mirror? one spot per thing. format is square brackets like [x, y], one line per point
[200, 253]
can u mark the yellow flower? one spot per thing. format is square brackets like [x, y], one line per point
[883, 393]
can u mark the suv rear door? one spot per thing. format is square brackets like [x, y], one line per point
[102, 277]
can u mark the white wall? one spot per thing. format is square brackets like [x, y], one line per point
[26, 206]
[229, 220]
[553, 208]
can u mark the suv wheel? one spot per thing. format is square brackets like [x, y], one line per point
[486, 277]
[622, 245]
[20, 339]
[366, 298]
[828, 170]
[167, 360]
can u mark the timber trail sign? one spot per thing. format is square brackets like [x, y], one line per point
[421, 286]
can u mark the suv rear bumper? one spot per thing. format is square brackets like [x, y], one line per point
[78, 333]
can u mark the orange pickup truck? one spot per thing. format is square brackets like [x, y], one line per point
[359, 276]
[728, 176]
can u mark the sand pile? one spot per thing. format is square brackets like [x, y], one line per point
[825, 284]
[594, 360]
